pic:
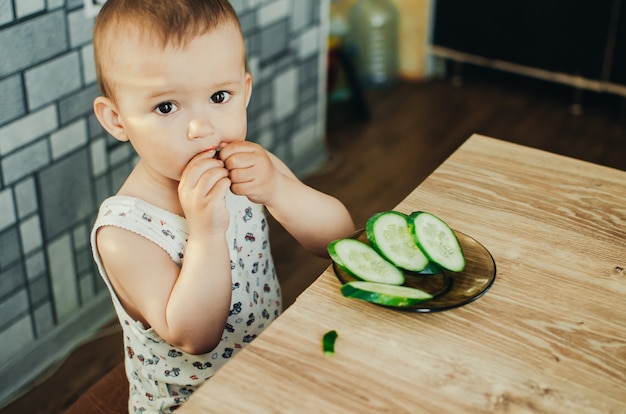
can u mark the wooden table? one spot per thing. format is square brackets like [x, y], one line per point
[548, 337]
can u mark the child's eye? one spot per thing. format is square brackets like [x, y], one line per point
[165, 108]
[220, 97]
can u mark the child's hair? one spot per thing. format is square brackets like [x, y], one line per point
[172, 22]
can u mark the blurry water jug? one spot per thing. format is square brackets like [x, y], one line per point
[374, 26]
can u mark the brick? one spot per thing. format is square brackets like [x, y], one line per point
[302, 14]
[44, 319]
[30, 43]
[63, 277]
[308, 94]
[65, 188]
[253, 67]
[9, 248]
[55, 4]
[25, 197]
[68, 139]
[119, 174]
[24, 162]
[282, 152]
[27, 129]
[307, 115]
[261, 98]
[317, 12]
[15, 337]
[265, 121]
[309, 71]
[283, 130]
[81, 28]
[12, 279]
[80, 235]
[87, 288]
[6, 11]
[72, 4]
[53, 80]
[102, 187]
[100, 285]
[36, 266]
[305, 139]
[89, 65]
[248, 25]
[84, 259]
[273, 41]
[25, 8]
[77, 104]
[30, 232]
[39, 290]
[7, 209]
[12, 102]
[283, 62]
[309, 43]
[273, 12]
[98, 151]
[120, 153]
[253, 46]
[285, 93]
[265, 139]
[13, 307]
[95, 129]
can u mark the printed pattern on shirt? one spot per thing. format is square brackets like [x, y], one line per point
[161, 376]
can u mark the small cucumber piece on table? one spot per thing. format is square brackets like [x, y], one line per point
[328, 342]
[437, 240]
[363, 262]
[383, 294]
[388, 233]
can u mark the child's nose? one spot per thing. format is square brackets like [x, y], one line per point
[200, 126]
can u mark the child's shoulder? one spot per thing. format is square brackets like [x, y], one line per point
[122, 218]
[124, 206]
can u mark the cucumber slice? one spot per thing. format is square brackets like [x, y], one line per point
[363, 262]
[437, 240]
[328, 342]
[388, 233]
[383, 294]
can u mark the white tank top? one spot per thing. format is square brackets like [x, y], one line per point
[161, 376]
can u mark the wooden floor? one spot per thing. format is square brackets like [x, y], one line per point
[374, 164]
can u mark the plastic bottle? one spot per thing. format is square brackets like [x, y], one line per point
[374, 31]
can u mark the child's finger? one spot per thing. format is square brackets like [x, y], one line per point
[198, 166]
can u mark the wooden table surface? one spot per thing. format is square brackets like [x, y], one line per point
[548, 337]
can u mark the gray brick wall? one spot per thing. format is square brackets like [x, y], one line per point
[57, 164]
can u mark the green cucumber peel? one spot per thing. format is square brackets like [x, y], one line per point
[328, 342]
[383, 294]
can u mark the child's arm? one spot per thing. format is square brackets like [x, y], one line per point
[312, 217]
[186, 306]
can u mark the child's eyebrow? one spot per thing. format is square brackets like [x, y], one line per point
[159, 93]
[225, 84]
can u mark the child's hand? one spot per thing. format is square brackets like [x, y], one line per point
[202, 193]
[252, 173]
[265, 179]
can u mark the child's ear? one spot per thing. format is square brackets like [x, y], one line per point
[248, 87]
[108, 115]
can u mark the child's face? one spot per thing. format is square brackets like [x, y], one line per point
[173, 103]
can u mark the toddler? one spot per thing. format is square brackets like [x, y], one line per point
[183, 246]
